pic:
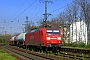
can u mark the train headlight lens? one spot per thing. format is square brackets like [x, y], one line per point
[59, 38]
[48, 38]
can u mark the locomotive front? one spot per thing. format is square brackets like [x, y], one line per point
[53, 38]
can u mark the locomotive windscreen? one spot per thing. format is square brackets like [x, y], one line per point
[53, 32]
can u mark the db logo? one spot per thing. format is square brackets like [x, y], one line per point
[31, 37]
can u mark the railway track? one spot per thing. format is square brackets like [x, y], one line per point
[80, 54]
[31, 55]
[76, 50]
[27, 55]
[65, 54]
[2, 44]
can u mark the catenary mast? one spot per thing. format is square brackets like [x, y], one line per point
[45, 14]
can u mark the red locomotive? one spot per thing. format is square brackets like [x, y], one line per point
[43, 39]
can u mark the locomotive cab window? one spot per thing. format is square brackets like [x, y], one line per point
[56, 32]
[49, 32]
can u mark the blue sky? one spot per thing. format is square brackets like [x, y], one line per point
[13, 13]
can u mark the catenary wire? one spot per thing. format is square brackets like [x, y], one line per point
[22, 12]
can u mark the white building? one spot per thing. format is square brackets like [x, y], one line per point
[78, 32]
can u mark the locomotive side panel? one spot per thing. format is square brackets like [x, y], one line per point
[29, 39]
[37, 38]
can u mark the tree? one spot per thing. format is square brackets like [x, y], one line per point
[4, 38]
[84, 9]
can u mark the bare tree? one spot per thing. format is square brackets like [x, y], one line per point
[72, 12]
[85, 10]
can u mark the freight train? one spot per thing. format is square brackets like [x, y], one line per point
[46, 39]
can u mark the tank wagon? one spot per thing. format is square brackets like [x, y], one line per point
[12, 40]
[20, 39]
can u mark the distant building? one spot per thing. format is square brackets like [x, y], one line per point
[78, 32]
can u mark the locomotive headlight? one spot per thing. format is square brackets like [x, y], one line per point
[48, 38]
[59, 38]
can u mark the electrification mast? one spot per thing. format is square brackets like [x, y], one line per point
[26, 24]
[45, 14]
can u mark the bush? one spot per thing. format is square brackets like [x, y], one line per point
[82, 45]
[88, 46]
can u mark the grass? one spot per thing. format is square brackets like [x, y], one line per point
[2, 43]
[69, 47]
[81, 45]
[6, 56]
